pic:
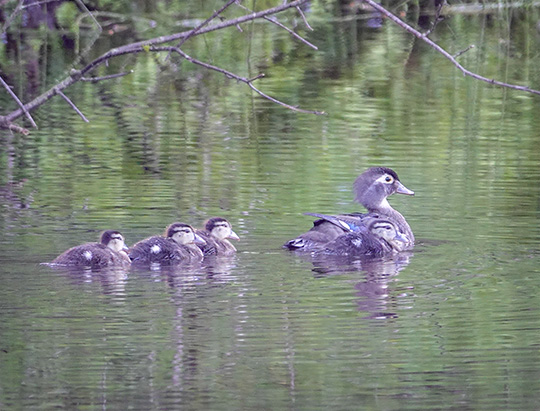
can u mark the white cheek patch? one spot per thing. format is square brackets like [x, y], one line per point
[88, 255]
[155, 249]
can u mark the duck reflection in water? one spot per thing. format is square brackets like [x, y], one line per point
[374, 291]
[111, 280]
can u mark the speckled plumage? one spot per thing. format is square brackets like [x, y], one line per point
[178, 245]
[107, 253]
[378, 238]
[217, 233]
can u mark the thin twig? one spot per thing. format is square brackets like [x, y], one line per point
[73, 106]
[233, 76]
[204, 23]
[36, 3]
[437, 19]
[442, 51]
[19, 102]
[6, 124]
[84, 8]
[463, 51]
[304, 18]
[8, 21]
[109, 77]
[292, 33]
[215, 27]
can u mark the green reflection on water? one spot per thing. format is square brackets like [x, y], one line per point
[460, 323]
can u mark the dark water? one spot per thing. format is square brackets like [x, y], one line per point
[454, 324]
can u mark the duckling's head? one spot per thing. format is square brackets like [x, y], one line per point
[388, 231]
[114, 240]
[183, 234]
[375, 184]
[220, 228]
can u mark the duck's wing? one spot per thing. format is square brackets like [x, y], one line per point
[354, 222]
[155, 249]
[321, 233]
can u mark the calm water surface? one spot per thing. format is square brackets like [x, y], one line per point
[454, 324]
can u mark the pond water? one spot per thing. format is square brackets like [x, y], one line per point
[453, 324]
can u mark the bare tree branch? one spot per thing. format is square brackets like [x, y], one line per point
[222, 25]
[292, 33]
[73, 106]
[304, 18]
[459, 53]
[437, 18]
[19, 102]
[12, 16]
[234, 76]
[109, 77]
[204, 23]
[442, 51]
[149, 45]
[12, 126]
[85, 9]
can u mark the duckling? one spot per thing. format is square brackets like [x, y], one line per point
[179, 244]
[371, 188]
[216, 234]
[380, 237]
[109, 252]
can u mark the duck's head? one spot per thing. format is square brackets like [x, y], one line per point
[374, 185]
[183, 234]
[114, 240]
[388, 231]
[220, 228]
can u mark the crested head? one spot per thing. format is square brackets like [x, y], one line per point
[220, 228]
[113, 239]
[180, 233]
[374, 185]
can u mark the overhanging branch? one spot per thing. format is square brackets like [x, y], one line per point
[442, 51]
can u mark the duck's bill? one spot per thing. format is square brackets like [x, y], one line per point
[199, 240]
[233, 236]
[401, 237]
[404, 190]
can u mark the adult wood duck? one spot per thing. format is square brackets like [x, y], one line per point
[179, 244]
[217, 232]
[371, 188]
[109, 252]
[379, 238]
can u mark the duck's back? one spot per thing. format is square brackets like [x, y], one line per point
[215, 246]
[94, 255]
[324, 230]
[162, 250]
[358, 244]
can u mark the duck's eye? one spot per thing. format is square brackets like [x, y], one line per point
[389, 179]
